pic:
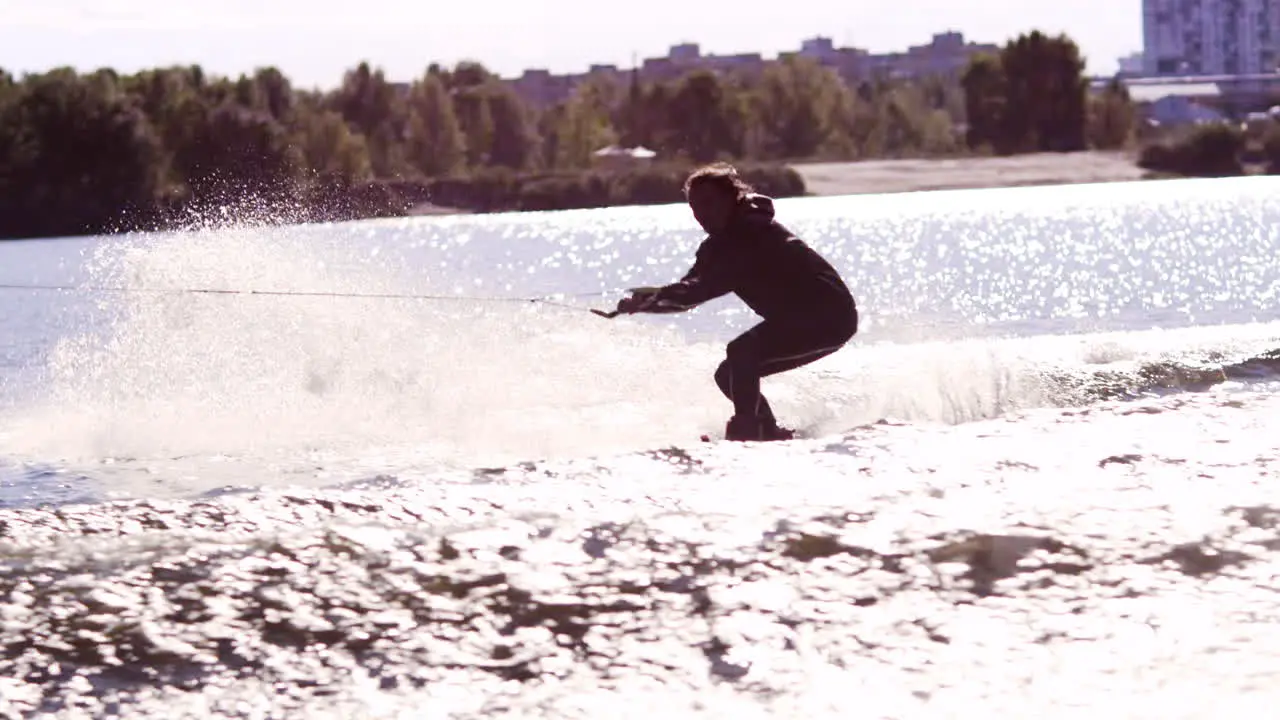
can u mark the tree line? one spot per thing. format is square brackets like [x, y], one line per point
[1033, 97]
[103, 151]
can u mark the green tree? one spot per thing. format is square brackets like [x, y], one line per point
[603, 94]
[1271, 148]
[986, 99]
[8, 132]
[582, 128]
[795, 109]
[466, 75]
[514, 143]
[188, 138]
[374, 109]
[235, 154]
[913, 125]
[274, 93]
[1205, 151]
[495, 126]
[703, 120]
[642, 119]
[547, 126]
[331, 151]
[859, 131]
[435, 141]
[471, 107]
[78, 156]
[1045, 91]
[1030, 99]
[1111, 118]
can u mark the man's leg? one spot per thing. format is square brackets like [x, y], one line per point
[791, 345]
[787, 360]
[767, 349]
[739, 375]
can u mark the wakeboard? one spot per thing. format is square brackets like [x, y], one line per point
[799, 435]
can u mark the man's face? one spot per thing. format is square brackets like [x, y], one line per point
[712, 206]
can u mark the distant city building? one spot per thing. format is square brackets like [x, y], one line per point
[688, 57]
[1197, 98]
[1210, 37]
[540, 87]
[945, 56]
[1132, 65]
[819, 48]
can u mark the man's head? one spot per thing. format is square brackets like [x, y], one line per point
[713, 193]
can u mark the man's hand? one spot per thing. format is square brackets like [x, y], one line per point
[638, 301]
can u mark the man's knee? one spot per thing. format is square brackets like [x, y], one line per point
[724, 377]
[845, 326]
[846, 333]
[841, 331]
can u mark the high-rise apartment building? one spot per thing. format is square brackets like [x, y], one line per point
[1211, 37]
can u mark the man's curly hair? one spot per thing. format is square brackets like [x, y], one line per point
[721, 175]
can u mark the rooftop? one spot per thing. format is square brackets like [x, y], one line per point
[1151, 92]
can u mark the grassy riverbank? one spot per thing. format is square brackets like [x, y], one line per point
[891, 176]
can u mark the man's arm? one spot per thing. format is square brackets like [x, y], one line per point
[704, 282]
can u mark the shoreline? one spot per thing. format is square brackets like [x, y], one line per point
[886, 176]
[892, 176]
[825, 179]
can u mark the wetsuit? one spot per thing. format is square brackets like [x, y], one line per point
[807, 310]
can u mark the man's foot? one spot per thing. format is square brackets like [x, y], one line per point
[751, 429]
[779, 433]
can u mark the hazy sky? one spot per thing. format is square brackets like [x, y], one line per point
[314, 41]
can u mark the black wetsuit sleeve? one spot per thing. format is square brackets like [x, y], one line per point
[705, 281]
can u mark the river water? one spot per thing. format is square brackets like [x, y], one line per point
[376, 477]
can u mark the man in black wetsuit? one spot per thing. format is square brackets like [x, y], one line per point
[808, 312]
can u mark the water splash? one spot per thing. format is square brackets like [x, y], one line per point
[178, 374]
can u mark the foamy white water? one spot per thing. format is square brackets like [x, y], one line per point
[1091, 367]
[1122, 564]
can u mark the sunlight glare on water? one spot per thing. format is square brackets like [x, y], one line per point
[1025, 260]
[939, 277]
